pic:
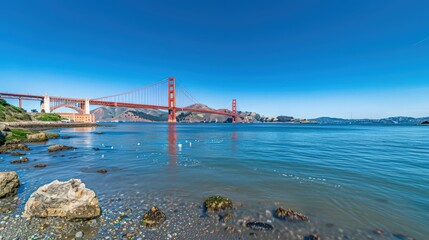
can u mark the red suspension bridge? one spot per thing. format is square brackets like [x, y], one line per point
[153, 96]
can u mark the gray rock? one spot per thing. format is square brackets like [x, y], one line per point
[70, 199]
[58, 147]
[9, 184]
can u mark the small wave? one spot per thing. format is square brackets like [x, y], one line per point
[317, 180]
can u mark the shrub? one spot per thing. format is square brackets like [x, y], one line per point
[49, 117]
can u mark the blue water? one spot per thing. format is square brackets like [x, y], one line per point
[356, 177]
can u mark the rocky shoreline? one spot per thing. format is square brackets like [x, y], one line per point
[43, 125]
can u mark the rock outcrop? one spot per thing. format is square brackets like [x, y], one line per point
[13, 145]
[9, 184]
[59, 147]
[70, 199]
[37, 137]
[153, 218]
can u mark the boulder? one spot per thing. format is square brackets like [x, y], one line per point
[153, 218]
[216, 203]
[59, 147]
[9, 184]
[290, 215]
[37, 137]
[70, 199]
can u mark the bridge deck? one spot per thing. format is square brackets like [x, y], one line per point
[115, 104]
[181, 109]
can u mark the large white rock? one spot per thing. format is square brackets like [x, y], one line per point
[70, 199]
[9, 184]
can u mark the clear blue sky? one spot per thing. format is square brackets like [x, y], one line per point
[300, 58]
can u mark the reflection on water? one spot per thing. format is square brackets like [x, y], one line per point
[172, 144]
[80, 129]
[88, 139]
[234, 138]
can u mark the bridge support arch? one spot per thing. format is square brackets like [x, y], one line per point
[171, 100]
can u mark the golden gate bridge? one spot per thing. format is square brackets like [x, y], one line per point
[163, 95]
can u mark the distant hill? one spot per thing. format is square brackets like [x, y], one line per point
[202, 117]
[10, 113]
[384, 121]
[121, 114]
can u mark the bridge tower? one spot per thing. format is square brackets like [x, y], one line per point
[46, 104]
[234, 110]
[171, 100]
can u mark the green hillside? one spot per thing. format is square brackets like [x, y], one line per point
[10, 113]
